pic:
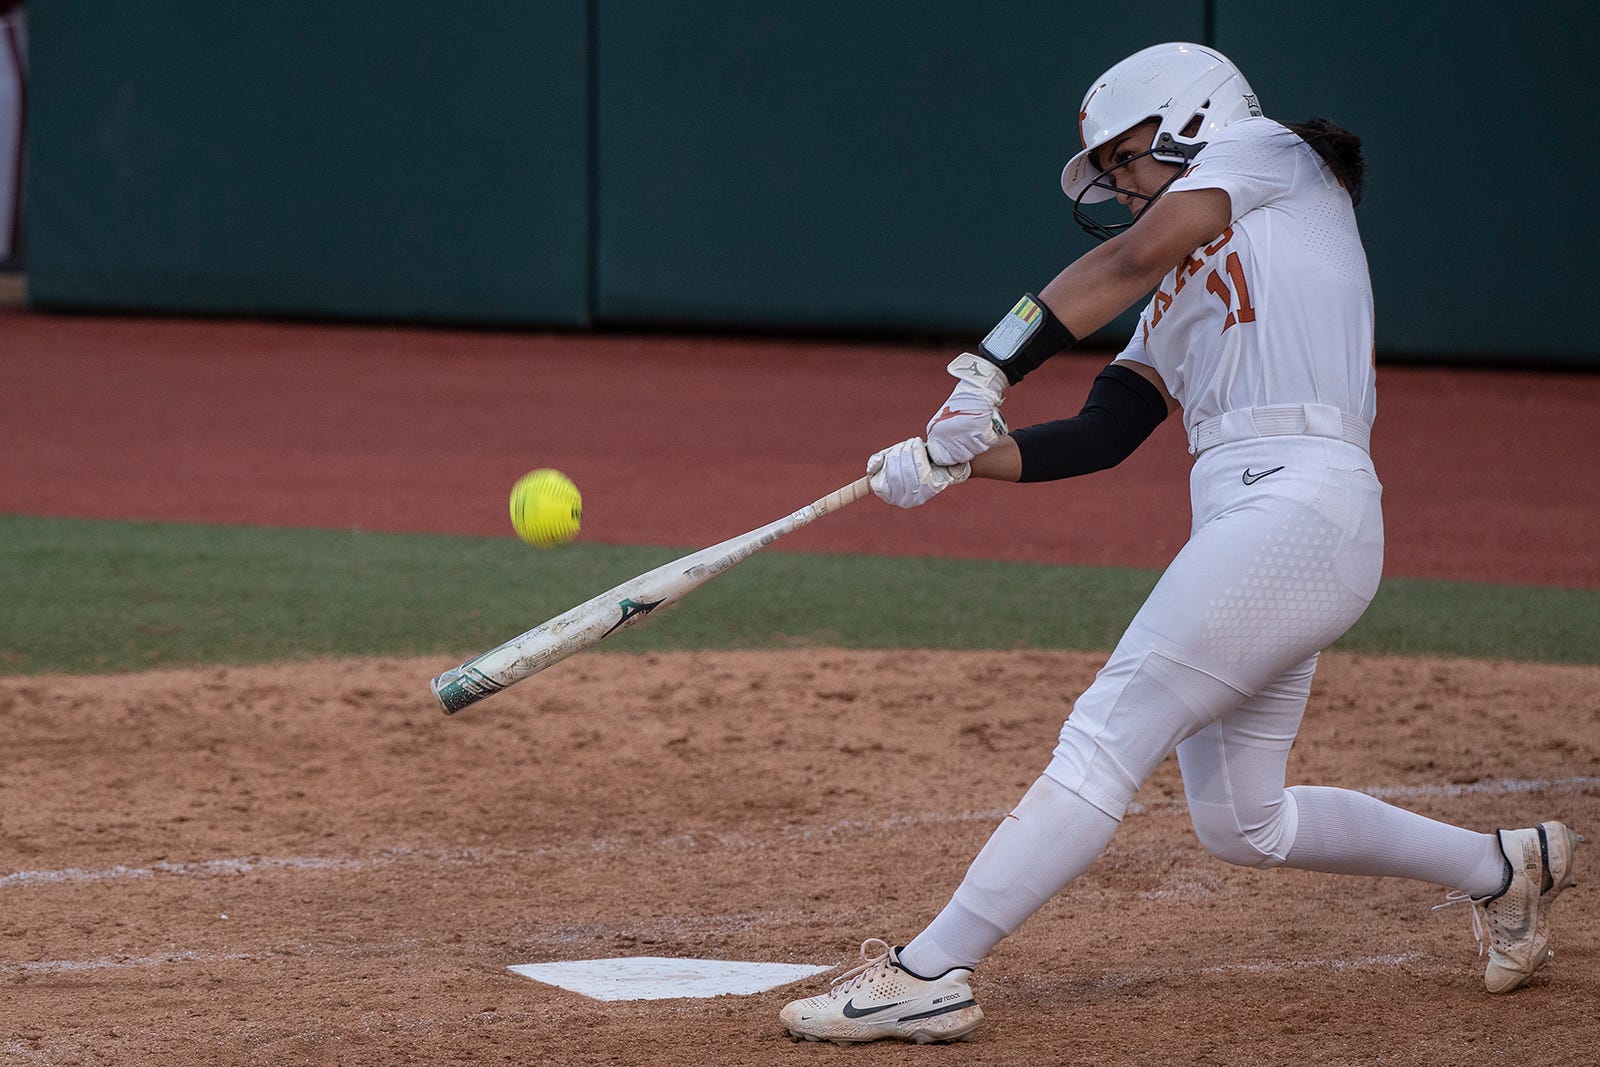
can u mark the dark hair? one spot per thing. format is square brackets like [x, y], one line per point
[1340, 150]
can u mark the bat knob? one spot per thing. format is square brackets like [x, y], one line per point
[456, 689]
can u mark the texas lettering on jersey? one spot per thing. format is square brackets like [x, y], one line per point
[1226, 282]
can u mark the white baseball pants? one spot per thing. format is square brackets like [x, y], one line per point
[1284, 555]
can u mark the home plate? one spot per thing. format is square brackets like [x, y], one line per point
[661, 978]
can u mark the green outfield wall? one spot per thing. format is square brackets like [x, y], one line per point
[350, 159]
[886, 168]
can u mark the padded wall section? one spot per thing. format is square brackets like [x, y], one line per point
[1479, 218]
[842, 165]
[835, 166]
[394, 161]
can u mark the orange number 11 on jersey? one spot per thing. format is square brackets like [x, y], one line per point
[1215, 284]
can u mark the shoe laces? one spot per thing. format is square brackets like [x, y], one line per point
[1480, 915]
[875, 957]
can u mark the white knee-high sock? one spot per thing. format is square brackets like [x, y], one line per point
[1344, 832]
[1049, 839]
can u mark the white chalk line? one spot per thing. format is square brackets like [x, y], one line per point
[693, 841]
[33, 968]
[150, 960]
[228, 866]
[36, 968]
[231, 867]
[1112, 982]
[1495, 787]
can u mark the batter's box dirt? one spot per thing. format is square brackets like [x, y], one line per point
[237, 866]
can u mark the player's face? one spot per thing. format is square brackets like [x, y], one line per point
[1137, 177]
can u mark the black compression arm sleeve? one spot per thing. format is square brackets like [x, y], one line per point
[1123, 409]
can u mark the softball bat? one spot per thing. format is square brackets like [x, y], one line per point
[618, 608]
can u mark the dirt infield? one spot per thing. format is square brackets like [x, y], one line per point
[312, 865]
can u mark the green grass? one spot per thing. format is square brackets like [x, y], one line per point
[82, 596]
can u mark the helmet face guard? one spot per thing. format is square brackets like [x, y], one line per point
[1106, 182]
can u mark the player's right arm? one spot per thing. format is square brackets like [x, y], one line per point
[1126, 403]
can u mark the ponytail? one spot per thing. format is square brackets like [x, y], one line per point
[1340, 150]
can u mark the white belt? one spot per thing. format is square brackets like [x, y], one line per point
[1305, 420]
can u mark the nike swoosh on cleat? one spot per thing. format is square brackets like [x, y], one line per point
[853, 1012]
[1252, 477]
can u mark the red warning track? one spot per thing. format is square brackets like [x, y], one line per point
[1489, 475]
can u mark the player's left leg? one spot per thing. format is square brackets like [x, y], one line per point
[1233, 774]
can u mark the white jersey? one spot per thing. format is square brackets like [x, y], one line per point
[1278, 309]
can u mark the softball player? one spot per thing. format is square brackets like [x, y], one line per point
[1261, 330]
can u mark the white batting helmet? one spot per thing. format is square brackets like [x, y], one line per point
[1176, 83]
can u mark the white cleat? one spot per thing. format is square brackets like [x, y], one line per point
[1516, 920]
[880, 999]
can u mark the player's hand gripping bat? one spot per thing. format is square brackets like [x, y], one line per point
[616, 609]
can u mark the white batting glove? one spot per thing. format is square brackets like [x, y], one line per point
[905, 477]
[970, 422]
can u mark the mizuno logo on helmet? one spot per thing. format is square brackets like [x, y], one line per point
[1083, 114]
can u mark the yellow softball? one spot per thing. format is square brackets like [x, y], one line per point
[546, 508]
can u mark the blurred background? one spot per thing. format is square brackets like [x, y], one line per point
[886, 169]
